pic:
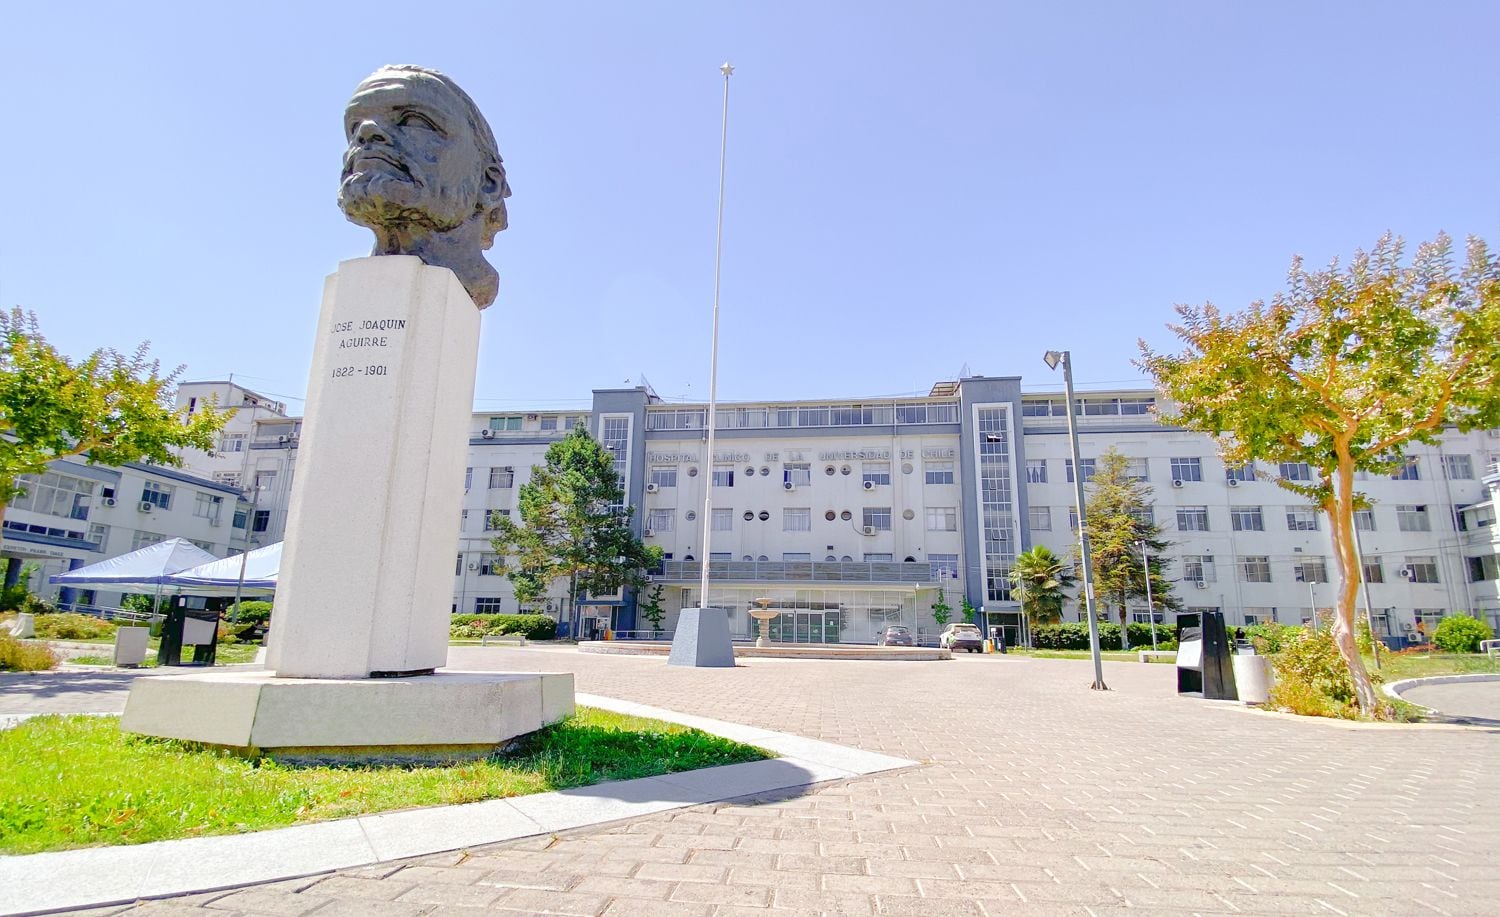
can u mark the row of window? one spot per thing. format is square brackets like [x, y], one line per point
[547, 423]
[1410, 517]
[1088, 407]
[799, 519]
[1190, 469]
[799, 474]
[491, 519]
[70, 497]
[850, 415]
[502, 477]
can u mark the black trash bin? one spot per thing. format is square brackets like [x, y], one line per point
[189, 623]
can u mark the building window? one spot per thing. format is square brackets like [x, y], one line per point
[468, 479]
[1187, 469]
[1409, 471]
[798, 474]
[796, 520]
[262, 521]
[1136, 469]
[97, 533]
[488, 605]
[549, 423]
[876, 473]
[1302, 518]
[878, 518]
[1296, 471]
[458, 565]
[1255, 569]
[493, 517]
[879, 558]
[1422, 569]
[614, 436]
[145, 540]
[1373, 572]
[938, 472]
[1198, 568]
[1310, 570]
[1254, 616]
[943, 565]
[1364, 520]
[723, 520]
[1192, 518]
[1430, 618]
[491, 564]
[1241, 473]
[56, 495]
[1036, 471]
[664, 475]
[942, 519]
[507, 422]
[207, 506]
[232, 442]
[503, 477]
[240, 518]
[1073, 518]
[1482, 568]
[1458, 467]
[1039, 518]
[572, 421]
[463, 520]
[723, 475]
[661, 520]
[796, 557]
[1088, 469]
[1246, 519]
[1412, 517]
[158, 495]
[1145, 515]
[945, 412]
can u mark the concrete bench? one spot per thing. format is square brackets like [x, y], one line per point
[1149, 655]
[502, 640]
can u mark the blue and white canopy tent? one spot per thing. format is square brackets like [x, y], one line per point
[150, 566]
[221, 577]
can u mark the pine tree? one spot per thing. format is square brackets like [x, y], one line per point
[1119, 517]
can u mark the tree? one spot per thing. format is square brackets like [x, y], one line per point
[1039, 578]
[1341, 371]
[574, 525]
[1118, 515]
[108, 407]
[968, 610]
[651, 608]
[941, 610]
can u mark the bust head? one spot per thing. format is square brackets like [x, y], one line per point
[422, 171]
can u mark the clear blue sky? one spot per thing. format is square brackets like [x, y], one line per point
[912, 187]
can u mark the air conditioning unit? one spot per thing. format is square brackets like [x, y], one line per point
[146, 507]
[652, 488]
[1233, 482]
[1200, 584]
[109, 501]
[531, 417]
[1176, 482]
[473, 565]
[647, 533]
[788, 485]
[1405, 572]
[867, 530]
[1406, 626]
[486, 433]
[869, 485]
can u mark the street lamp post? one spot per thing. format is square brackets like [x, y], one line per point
[239, 586]
[1150, 613]
[1052, 358]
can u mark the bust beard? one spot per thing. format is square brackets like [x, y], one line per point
[444, 229]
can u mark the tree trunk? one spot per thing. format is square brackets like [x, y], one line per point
[1341, 514]
[1124, 630]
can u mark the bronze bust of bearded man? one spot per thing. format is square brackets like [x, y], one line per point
[423, 172]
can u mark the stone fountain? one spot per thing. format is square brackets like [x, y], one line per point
[764, 615]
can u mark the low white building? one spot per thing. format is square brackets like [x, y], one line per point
[850, 514]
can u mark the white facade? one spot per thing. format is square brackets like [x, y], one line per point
[959, 482]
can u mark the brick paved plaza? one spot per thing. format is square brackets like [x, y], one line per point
[1035, 796]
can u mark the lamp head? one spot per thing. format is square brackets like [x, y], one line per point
[1052, 358]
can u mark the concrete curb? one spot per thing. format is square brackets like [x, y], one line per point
[1397, 688]
[98, 876]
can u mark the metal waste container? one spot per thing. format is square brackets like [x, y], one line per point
[1252, 674]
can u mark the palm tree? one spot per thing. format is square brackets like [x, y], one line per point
[1039, 578]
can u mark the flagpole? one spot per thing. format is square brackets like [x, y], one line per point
[713, 366]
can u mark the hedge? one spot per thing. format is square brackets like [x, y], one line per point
[1075, 636]
[532, 627]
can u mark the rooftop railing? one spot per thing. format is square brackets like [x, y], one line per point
[774, 571]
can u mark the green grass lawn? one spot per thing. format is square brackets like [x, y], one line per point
[77, 781]
[228, 653]
[1395, 667]
[1111, 655]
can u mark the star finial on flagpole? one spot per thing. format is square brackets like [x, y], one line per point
[727, 70]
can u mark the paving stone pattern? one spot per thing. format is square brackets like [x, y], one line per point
[1035, 796]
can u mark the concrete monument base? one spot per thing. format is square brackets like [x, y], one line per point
[447, 716]
[702, 639]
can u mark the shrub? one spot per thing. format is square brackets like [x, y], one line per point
[1269, 639]
[472, 627]
[1312, 678]
[69, 626]
[21, 656]
[256, 613]
[34, 605]
[1074, 635]
[1461, 634]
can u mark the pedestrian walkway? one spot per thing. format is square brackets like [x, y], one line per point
[1034, 795]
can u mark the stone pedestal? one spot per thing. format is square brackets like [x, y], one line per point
[366, 577]
[419, 719]
[702, 639]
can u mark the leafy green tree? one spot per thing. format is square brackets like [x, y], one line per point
[108, 407]
[1341, 371]
[1461, 634]
[652, 609]
[941, 610]
[1039, 579]
[1118, 517]
[574, 526]
[968, 610]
